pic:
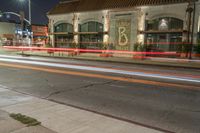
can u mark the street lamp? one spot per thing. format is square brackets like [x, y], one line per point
[29, 12]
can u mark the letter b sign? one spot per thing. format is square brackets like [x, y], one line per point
[123, 38]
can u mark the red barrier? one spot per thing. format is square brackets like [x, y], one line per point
[87, 50]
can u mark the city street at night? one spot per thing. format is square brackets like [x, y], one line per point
[100, 66]
[161, 98]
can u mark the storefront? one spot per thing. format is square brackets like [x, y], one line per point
[120, 25]
[40, 35]
[7, 33]
[164, 34]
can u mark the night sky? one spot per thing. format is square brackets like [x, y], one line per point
[39, 9]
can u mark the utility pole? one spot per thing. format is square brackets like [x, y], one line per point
[191, 18]
[22, 16]
[30, 17]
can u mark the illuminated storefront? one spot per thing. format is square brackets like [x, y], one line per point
[7, 33]
[164, 34]
[91, 35]
[40, 35]
[119, 25]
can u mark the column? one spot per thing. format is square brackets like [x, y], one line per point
[106, 27]
[76, 27]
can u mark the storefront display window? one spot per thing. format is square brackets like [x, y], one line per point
[63, 35]
[91, 35]
[164, 34]
[167, 23]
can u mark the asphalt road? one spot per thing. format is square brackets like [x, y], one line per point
[163, 98]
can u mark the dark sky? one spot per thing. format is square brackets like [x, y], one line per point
[39, 8]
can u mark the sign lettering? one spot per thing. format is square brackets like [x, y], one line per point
[123, 38]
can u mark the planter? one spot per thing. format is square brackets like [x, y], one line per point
[183, 55]
[106, 55]
[50, 52]
[196, 55]
[73, 53]
[139, 57]
[178, 55]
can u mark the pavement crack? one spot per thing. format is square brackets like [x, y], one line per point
[93, 84]
[79, 88]
[52, 94]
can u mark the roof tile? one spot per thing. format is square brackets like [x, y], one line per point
[91, 5]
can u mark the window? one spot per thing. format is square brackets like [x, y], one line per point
[93, 36]
[64, 27]
[164, 34]
[63, 35]
[166, 23]
[91, 26]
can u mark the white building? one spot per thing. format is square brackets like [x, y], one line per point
[7, 32]
[123, 24]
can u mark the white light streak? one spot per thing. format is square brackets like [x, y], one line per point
[89, 68]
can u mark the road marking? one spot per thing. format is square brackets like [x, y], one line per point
[88, 68]
[155, 83]
[60, 61]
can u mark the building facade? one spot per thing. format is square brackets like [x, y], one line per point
[7, 33]
[40, 35]
[159, 25]
[15, 34]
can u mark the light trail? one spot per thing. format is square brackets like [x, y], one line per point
[61, 61]
[20, 48]
[105, 70]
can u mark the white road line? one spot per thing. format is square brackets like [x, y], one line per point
[107, 70]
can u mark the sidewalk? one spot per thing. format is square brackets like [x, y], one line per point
[165, 62]
[8, 124]
[58, 118]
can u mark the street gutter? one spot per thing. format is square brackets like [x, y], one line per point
[126, 61]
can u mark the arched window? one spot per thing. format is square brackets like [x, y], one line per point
[63, 27]
[63, 35]
[164, 34]
[165, 23]
[91, 26]
[92, 35]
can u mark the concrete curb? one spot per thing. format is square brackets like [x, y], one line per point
[152, 63]
[185, 64]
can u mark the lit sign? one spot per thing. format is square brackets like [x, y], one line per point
[123, 38]
[123, 31]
